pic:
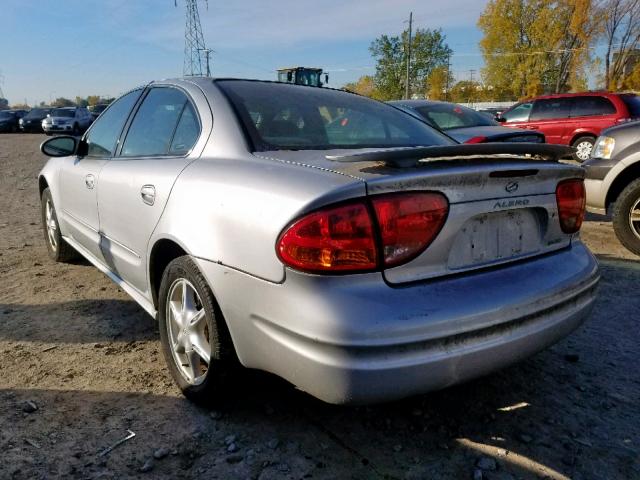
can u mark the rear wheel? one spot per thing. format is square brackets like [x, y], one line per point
[195, 341]
[626, 217]
[583, 146]
[58, 249]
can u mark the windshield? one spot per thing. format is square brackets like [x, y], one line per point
[37, 113]
[288, 117]
[633, 104]
[62, 112]
[447, 116]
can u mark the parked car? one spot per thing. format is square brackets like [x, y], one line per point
[574, 119]
[74, 120]
[492, 112]
[613, 181]
[32, 121]
[96, 110]
[337, 259]
[9, 120]
[464, 124]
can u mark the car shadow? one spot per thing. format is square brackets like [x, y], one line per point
[566, 412]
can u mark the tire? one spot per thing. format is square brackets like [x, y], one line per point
[628, 232]
[58, 249]
[583, 146]
[201, 382]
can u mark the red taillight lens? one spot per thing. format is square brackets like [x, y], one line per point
[334, 239]
[408, 223]
[476, 140]
[343, 238]
[571, 197]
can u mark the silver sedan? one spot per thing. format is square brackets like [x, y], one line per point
[325, 237]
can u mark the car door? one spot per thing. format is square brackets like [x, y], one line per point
[135, 185]
[591, 114]
[551, 116]
[79, 175]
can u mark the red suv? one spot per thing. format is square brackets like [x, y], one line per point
[574, 119]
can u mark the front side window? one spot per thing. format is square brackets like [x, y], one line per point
[165, 124]
[551, 109]
[291, 117]
[105, 131]
[519, 113]
[587, 106]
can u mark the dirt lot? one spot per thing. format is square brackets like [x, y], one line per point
[80, 365]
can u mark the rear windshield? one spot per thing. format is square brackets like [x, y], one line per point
[447, 116]
[633, 104]
[291, 117]
[61, 112]
[6, 114]
[37, 113]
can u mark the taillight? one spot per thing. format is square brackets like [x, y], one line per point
[476, 140]
[408, 223]
[571, 197]
[344, 238]
[335, 239]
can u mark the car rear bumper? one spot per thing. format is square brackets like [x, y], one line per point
[355, 339]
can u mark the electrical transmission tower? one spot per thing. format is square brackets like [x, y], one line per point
[194, 46]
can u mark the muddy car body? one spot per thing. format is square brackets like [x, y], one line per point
[346, 265]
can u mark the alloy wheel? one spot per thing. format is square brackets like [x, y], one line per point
[51, 225]
[634, 218]
[583, 150]
[188, 331]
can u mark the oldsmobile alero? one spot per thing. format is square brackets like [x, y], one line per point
[325, 237]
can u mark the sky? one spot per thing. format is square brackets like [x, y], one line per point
[64, 48]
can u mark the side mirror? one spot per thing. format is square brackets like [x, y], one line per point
[500, 119]
[62, 146]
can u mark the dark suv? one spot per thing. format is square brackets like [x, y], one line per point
[32, 121]
[574, 119]
[9, 120]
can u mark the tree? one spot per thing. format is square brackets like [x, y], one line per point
[632, 81]
[438, 83]
[93, 100]
[20, 106]
[536, 46]
[622, 37]
[365, 86]
[428, 51]
[62, 102]
[81, 102]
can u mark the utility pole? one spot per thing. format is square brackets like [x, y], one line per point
[471, 87]
[446, 91]
[207, 53]
[407, 92]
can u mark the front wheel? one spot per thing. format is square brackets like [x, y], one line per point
[626, 217]
[58, 249]
[195, 341]
[583, 146]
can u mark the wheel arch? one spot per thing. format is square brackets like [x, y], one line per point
[42, 184]
[624, 178]
[577, 135]
[163, 252]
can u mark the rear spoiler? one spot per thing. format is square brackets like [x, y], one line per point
[411, 156]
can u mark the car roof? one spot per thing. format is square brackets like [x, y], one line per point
[419, 103]
[579, 94]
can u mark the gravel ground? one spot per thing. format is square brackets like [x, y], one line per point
[80, 366]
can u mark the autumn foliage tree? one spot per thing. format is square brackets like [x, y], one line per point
[536, 46]
[365, 86]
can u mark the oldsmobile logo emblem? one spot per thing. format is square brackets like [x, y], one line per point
[511, 187]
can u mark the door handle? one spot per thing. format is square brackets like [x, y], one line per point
[148, 193]
[90, 181]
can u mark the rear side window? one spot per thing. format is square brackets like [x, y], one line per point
[633, 104]
[587, 106]
[102, 137]
[519, 113]
[159, 121]
[551, 108]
